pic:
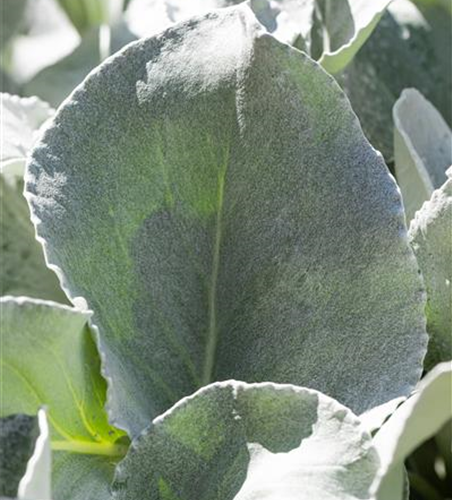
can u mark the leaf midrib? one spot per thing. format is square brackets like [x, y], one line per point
[212, 334]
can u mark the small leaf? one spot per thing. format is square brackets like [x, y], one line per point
[12, 13]
[22, 119]
[329, 30]
[217, 232]
[23, 270]
[409, 48]
[18, 434]
[48, 358]
[36, 483]
[422, 149]
[344, 26]
[416, 420]
[431, 238]
[232, 440]
[56, 82]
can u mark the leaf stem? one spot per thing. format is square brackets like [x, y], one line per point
[87, 448]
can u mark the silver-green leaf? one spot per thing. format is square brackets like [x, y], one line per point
[431, 238]
[422, 149]
[410, 47]
[237, 441]
[211, 196]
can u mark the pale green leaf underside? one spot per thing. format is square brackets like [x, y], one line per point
[218, 232]
[431, 238]
[21, 120]
[329, 30]
[422, 149]
[416, 420]
[18, 434]
[237, 441]
[48, 358]
[23, 270]
[410, 47]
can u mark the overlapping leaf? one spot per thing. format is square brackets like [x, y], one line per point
[419, 418]
[410, 47]
[48, 358]
[331, 31]
[22, 119]
[422, 149]
[23, 270]
[238, 441]
[431, 238]
[219, 209]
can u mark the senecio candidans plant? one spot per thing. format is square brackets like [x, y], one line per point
[211, 287]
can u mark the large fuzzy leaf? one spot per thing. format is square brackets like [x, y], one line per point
[23, 270]
[419, 418]
[431, 238]
[219, 209]
[22, 118]
[56, 82]
[236, 441]
[422, 149]
[329, 30]
[409, 48]
[48, 358]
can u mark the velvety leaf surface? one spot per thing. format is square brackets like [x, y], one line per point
[48, 358]
[56, 82]
[23, 270]
[22, 119]
[218, 232]
[422, 149]
[18, 434]
[237, 441]
[410, 47]
[419, 418]
[431, 239]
